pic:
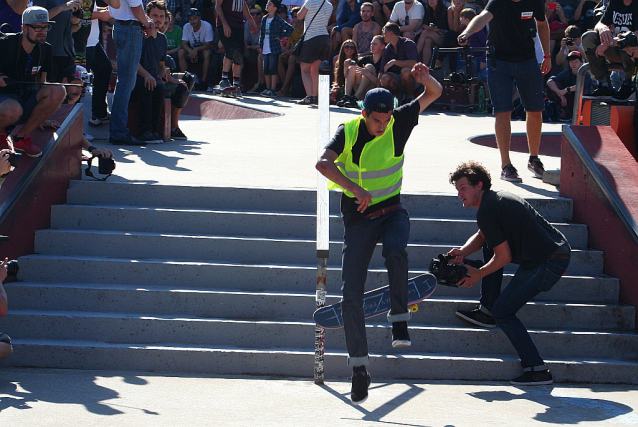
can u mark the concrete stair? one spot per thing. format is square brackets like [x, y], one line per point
[221, 281]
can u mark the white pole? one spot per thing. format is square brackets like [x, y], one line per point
[323, 224]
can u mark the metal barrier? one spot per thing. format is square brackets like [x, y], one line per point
[580, 87]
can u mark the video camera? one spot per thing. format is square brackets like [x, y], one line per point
[448, 273]
[626, 39]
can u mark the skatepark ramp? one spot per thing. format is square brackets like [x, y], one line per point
[222, 281]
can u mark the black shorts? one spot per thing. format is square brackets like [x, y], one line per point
[234, 43]
[315, 49]
[28, 102]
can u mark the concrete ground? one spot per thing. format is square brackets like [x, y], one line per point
[280, 152]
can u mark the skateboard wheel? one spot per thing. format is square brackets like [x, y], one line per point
[414, 308]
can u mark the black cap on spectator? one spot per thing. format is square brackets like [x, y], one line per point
[574, 54]
[193, 12]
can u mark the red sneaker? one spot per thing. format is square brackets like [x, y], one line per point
[26, 146]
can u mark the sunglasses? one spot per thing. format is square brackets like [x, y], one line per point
[349, 47]
[40, 29]
[255, 13]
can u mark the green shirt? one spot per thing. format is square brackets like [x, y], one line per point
[174, 37]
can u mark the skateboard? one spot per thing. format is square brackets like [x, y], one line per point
[228, 92]
[377, 302]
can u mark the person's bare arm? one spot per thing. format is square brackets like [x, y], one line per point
[326, 166]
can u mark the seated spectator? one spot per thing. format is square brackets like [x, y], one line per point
[5, 341]
[273, 28]
[252, 50]
[288, 62]
[563, 86]
[347, 58]
[382, 10]
[557, 22]
[26, 57]
[197, 40]
[74, 75]
[571, 42]
[364, 31]
[434, 29]
[349, 16]
[399, 56]
[174, 34]
[601, 47]
[363, 76]
[408, 14]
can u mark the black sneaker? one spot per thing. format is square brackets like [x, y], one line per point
[360, 383]
[178, 135]
[127, 140]
[536, 166]
[534, 378]
[624, 92]
[351, 102]
[602, 91]
[400, 335]
[157, 136]
[477, 317]
[149, 138]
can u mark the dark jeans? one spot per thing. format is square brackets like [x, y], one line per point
[613, 54]
[360, 239]
[150, 103]
[100, 66]
[504, 305]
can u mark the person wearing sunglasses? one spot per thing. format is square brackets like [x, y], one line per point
[365, 160]
[26, 57]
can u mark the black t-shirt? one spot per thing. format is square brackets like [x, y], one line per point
[406, 118]
[622, 17]
[369, 60]
[504, 216]
[153, 51]
[16, 64]
[513, 27]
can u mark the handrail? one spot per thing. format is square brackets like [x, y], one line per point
[580, 86]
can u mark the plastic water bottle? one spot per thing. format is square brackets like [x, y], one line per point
[481, 100]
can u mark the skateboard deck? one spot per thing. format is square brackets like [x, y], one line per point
[377, 301]
[228, 92]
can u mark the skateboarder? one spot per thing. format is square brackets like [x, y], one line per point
[372, 212]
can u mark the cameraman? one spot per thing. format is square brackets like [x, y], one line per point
[601, 47]
[5, 341]
[510, 230]
[571, 43]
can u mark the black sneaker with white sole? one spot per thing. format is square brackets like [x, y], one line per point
[477, 317]
[624, 91]
[400, 335]
[360, 382]
[543, 377]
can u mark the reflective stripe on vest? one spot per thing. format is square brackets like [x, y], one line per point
[383, 172]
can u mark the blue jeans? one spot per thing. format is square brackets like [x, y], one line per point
[271, 62]
[501, 77]
[128, 40]
[504, 305]
[360, 239]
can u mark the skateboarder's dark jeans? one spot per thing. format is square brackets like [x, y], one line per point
[360, 239]
[504, 305]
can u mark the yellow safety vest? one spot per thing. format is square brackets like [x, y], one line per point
[379, 172]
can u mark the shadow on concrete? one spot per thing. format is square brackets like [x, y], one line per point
[382, 411]
[560, 409]
[550, 143]
[18, 390]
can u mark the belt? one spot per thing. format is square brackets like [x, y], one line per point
[559, 256]
[130, 22]
[383, 211]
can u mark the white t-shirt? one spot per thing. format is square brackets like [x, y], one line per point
[94, 36]
[417, 11]
[266, 49]
[198, 38]
[318, 27]
[124, 13]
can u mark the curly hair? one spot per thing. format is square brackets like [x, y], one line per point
[474, 172]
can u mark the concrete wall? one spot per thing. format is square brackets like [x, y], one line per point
[600, 175]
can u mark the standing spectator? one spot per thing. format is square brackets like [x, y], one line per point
[408, 14]
[348, 17]
[273, 28]
[514, 62]
[230, 28]
[61, 34]
[27, 57]
[130, 22]
[11, 13]
[287, 61]
[364, 31]
[364, 76]
[399, 56]
[100, 66]
[316, 46]
[197, 41]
